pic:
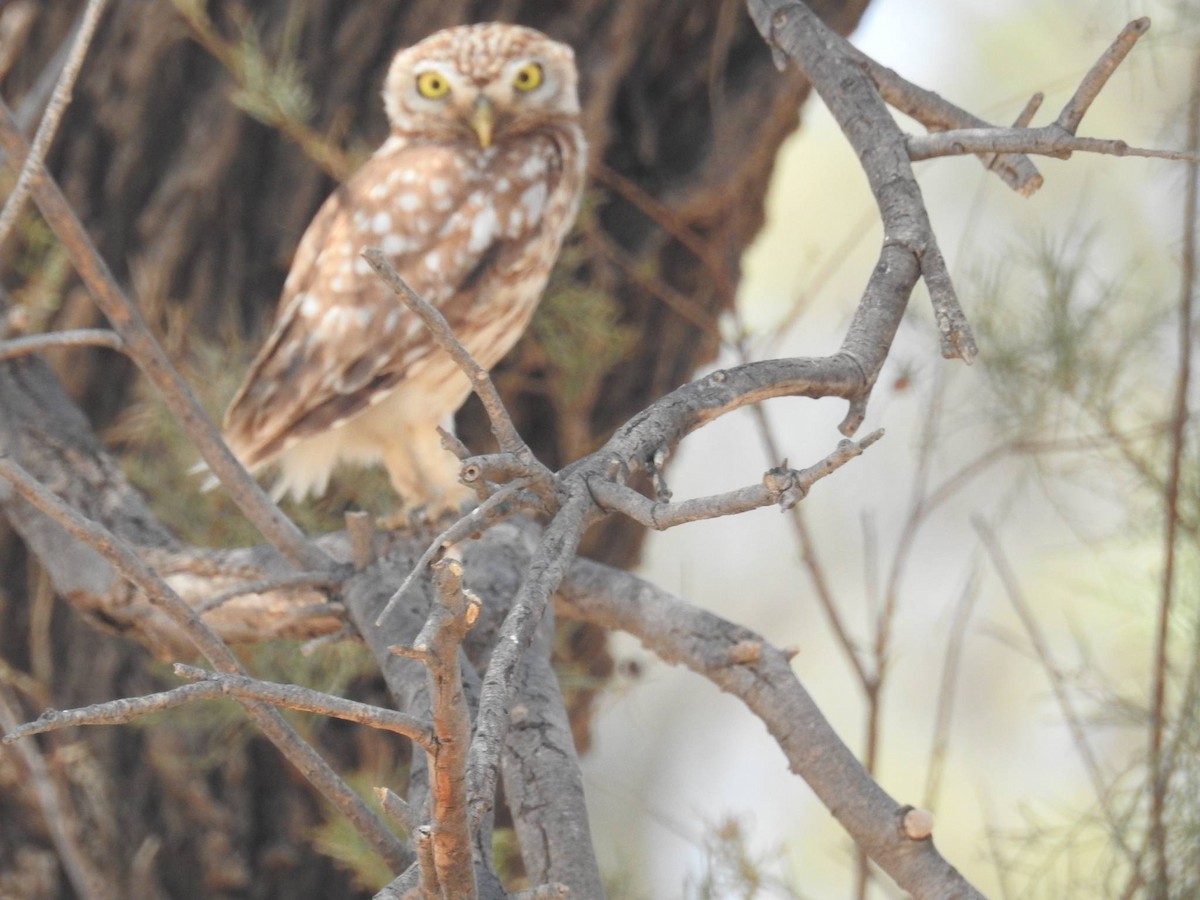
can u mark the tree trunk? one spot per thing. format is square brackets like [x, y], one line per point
[198, 208]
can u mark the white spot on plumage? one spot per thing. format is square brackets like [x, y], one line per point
[533, 198]
[433, 261]
[408, 202]
[309, 305]
[534, 166]
[362, 267]
[394, 245]
[381, 223]
[439, 186]
[379, 191]
[336, 319]
[483, 229]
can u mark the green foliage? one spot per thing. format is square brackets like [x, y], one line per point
[578, 329]
[731, 870]
[341, 841]
[1053, 327]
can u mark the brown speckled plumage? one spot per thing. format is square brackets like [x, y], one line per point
[348, 374]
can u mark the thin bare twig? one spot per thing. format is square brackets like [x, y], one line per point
[780, 486]
[59, 101]
[1048, 140]
[301, 579]
[496, 508]
[938, 114]
[438, 645]
[147, 352]
[80, 337]
[293, 696]
[60, 821]
[1160, 774]
[481, 383]
[398, 810]
[1093, 82]
[1058, 681]
[955, 639]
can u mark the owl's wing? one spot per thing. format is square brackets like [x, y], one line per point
[341, 337]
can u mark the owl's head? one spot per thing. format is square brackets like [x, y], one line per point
[481, 83]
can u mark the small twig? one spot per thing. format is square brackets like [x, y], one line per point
[1049, 140]
[938, 114]
[345, 633]
[502, 425]
[293, 696]
[113, 712]
[954, 331]
[217, 685]
[1058, 681]
[782, 486]
[1160, 773]
[60, 821]
[398, 810]
[494, 509]
[955, 639]
[1029, 110]
[360, 526]
[429, 888]
[81, 337]
[1093, 82]
[147, 352]
[127, 562]
[302, 579]
[59, 101]
[439, 643]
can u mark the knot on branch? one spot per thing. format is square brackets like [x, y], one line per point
[916, 824]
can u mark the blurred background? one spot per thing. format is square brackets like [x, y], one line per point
[1074, 294]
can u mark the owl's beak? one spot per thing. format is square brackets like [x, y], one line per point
[483, 120]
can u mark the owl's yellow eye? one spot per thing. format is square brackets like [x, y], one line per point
[528, 77]
[432, 86]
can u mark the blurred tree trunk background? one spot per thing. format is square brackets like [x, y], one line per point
[197, 197]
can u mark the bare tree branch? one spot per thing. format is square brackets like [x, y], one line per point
[687, 635]
[60, 99]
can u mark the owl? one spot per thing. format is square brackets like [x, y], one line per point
[470, 198]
